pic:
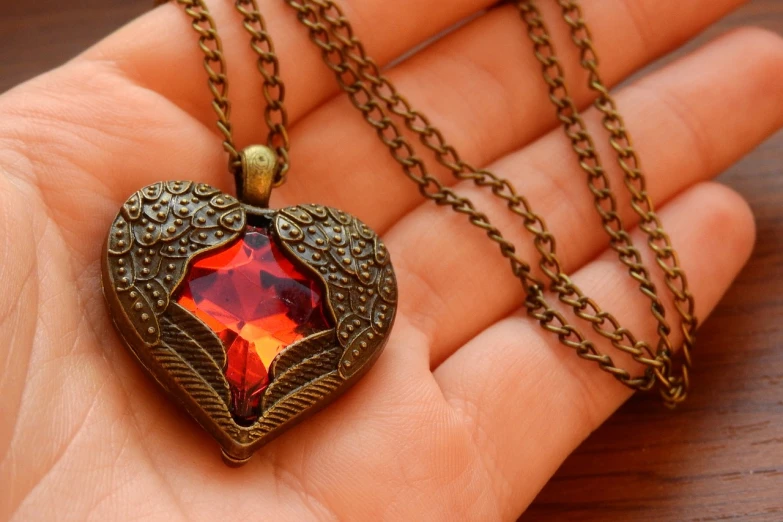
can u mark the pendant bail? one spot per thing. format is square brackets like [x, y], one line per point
[259, 166]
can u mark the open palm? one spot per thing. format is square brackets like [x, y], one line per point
[472, 406]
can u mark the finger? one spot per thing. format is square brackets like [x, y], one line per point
[75, 122]
[160, 52]
[135, 108]
[678, 119]
[526, 397]
[483, 87]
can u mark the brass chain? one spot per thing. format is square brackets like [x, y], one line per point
[362, 79]
[375, 96]
[275, 113]
[634, 180]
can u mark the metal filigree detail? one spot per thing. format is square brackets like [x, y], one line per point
[301, 363]
[355, 267]
[193, 358]
[159, 229]
[163, 227]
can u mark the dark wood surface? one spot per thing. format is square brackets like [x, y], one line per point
[720, 456]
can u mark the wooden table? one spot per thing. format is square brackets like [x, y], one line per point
[720, 456]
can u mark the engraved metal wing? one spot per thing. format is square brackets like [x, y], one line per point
[355, 267]
[158, 231]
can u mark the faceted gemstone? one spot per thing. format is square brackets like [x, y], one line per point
[258, 303]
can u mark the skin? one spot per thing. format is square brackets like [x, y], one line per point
[472, 407]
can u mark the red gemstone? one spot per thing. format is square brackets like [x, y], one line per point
[258, 303]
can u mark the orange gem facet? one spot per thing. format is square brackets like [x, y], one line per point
[258, 303]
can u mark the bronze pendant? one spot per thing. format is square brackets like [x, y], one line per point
[325, 306]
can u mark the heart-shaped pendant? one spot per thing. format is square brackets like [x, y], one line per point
[249, 318]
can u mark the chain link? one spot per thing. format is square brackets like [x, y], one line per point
[361, 78]
[376, 97]
[673, 382]
[275, 113]
[357, 74]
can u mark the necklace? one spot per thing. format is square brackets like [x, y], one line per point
[249, 317]
[248, 358]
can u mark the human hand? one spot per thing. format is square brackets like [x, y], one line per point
[472, 406]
